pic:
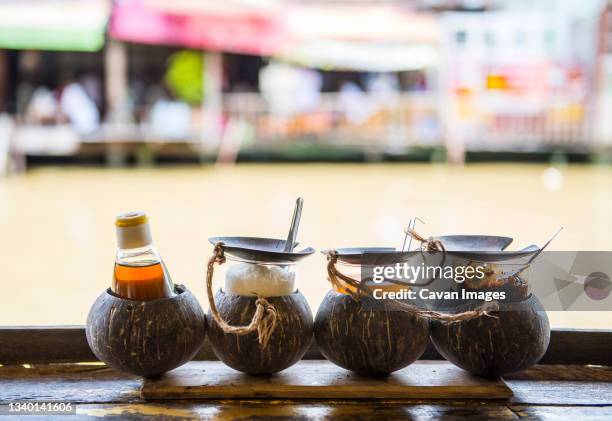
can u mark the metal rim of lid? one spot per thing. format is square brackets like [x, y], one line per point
[260, 249]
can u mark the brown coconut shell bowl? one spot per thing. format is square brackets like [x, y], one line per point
[514, 339]
[146, 338]
[287, 345]
[367, 336]
[292, 334]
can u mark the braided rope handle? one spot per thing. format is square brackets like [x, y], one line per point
[360, 289]
[264, 319]
[430, 244]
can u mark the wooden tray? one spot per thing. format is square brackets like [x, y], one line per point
[317, 379]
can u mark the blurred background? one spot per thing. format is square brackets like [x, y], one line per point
[478, 116]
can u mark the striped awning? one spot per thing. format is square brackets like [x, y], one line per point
[377, 37]
[238, 26]
[69, 25]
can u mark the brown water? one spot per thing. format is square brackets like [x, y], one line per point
[57, 238]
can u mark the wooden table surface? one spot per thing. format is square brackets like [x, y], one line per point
[543, 392]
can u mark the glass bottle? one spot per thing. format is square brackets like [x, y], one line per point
[139, 273]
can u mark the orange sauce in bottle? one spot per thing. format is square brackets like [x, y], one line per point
[142, 282]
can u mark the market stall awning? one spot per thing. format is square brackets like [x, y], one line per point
[249, 27]
[383, 22]
[361, 56]
[377, 37]
[69, 25]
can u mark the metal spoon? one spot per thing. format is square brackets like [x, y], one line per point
[519, 271]
[295, 224]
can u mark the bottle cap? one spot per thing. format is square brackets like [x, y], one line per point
[133, 230]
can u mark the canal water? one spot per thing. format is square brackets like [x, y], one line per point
[57, 235]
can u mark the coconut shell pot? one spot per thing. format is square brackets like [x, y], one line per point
[286, 346]
[368, 337]
[146, 338]
[362, 334]
[514, 340]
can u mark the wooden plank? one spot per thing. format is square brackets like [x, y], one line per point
[591, 413]
[577, 346]
[562, 385]
[565, 373]
[58, 344]
[67, 383]
[94, 383]
[332, 411]
[561, 392]
[281, 410]
[44, 344]
[335, 411]
[323, 380]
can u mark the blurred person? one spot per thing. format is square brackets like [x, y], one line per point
[354, 103]
[78, 107]
[137, 99]
[171, 119]
[413, 81]
[290, 90]
[382, 86]
[29, 71]
[168, 117]
[93, 87]
[42, 107]
[6, 130]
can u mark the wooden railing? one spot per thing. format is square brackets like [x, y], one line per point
[59, 344]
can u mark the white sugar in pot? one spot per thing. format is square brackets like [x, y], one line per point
[259, 321]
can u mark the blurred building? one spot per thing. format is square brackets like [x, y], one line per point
[603, 124]
[522, 76]
[195, 77]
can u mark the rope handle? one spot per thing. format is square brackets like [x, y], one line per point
[264, 319]
[336, 278]
[430, 244]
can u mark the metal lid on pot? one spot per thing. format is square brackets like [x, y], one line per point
[262, 250]
[475, 242]
[486, 248]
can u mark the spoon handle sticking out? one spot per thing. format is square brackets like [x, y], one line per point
[518, 272]
[295, 224]
[545, 245]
